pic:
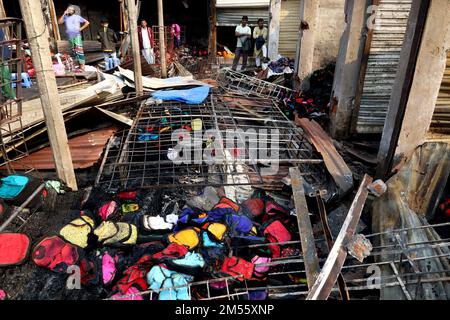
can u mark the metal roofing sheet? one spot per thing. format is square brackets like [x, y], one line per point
[86, 150]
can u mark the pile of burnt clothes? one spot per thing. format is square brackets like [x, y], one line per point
[123, 246]
[315, 102]
[281, 65]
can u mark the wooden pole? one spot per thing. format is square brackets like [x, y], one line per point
[2, 10]
[38, 36]
[213, 29]
[162, 42]
[51, 7]
[132, 26]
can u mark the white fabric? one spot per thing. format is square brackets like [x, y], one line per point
[145, 39]
[172, 218]
[148, 55]
[157, 223]
[264, 52]
[243, 30]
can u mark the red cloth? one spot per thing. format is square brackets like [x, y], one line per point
[150, 35]
[55, 254]
[236, 266]
[173, 250]
[13, 248]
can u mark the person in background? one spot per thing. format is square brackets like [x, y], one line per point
[260, 34]
[243, 46]
[75, 24]
[7, 91]
[108, 39]
[146, 41]
[176, 34]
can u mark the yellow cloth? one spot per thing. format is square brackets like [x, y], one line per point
[218, 230]
[257, 32]
[188, 238]
[110, 233]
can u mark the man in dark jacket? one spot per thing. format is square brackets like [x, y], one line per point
[108, 39]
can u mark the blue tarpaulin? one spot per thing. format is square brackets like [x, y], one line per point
[189, 96]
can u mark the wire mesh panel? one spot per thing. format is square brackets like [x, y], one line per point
[252, 86]
[218, 143]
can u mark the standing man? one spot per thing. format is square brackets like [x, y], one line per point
[260, 34]
[244, 43]
[146, 41]
[108, 39]
[75, 24]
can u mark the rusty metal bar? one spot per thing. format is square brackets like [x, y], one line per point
[304, 226]
[18, 210]
[335, 261]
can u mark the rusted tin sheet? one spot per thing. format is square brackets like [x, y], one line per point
[337, 167]
[86, 150]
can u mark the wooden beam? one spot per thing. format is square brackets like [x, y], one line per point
[343, 291]
[427, 80]
[402, 85]
[2, 10]
[274, 29]
[162, 42]
[132, 26]
[213, 29]
[335, 261]
[304, 226]
[53, 16]
[38, 36]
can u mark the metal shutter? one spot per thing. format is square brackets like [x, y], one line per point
[382, 65]
[289, 25]
[441, 118]
[231, 17]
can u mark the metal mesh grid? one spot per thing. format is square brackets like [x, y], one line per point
[248, 85]
[141, 160]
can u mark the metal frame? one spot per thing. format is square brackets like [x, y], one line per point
[144, 164]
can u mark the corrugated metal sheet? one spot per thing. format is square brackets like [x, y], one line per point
[289, 25]
[241, 4]
[441, 118]
[382, 65]
[86, 150]
[231, 17]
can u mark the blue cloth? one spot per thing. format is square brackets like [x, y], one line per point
[189, 96]
[162, 278]
[192, 260]
[73, 24]
[208, 243]
[12, 186]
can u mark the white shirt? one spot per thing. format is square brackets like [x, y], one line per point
[145, 39]
[243, 30]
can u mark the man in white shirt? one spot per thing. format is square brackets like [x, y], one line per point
[146, 41]
[243, 46]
